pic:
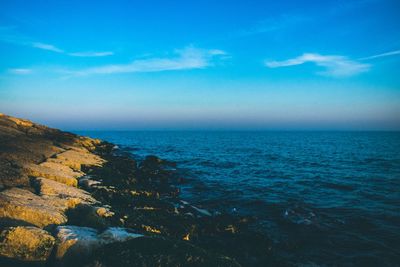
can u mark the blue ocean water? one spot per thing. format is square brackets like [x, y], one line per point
[325, 198]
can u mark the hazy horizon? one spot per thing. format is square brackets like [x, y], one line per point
[203, 65]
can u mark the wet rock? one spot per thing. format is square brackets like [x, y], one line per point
[50, 173]
[117, 234]
[84, 215]
[26, 244]
[118, 171]
[88, 183]
[104, 212]
[146, 251]
[23, 207]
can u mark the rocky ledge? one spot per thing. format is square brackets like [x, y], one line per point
[68, 200]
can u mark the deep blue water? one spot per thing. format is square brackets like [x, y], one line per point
[325, 198]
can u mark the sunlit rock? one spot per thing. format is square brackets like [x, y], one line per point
[75, 159]
[26, 243]
[51, 173]
[47, 187]
[23, 207]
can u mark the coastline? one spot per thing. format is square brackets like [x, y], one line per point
[72, 200]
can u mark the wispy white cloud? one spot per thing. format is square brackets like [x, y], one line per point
[183, 59]
[9, 35]
[48, 47]
[336, 66]
[20, 71]
[91, 54]
[391, 53]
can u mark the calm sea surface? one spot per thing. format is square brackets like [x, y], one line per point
[325, 198]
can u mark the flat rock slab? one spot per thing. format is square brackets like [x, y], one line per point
[47, 187]
[52, 173]
[26, 243]
[75, 241]
[76, 158]
[65, 170]
[23, 207]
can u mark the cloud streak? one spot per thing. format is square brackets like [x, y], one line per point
[334, 65]
[47, 47]
[20, 71]
[9, 35]
[183, 59]
[391, 53]
[91, 54]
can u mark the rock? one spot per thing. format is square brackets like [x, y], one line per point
[75, 159]
[203, 212]
[21, 122]
[51, 173]
[23, 207]
[74, 242]
[26, 243]
[88, 183]
[151, 251]
[104, 212]
[117, 234]
[85, 215]
[47, 187]
[62, 168]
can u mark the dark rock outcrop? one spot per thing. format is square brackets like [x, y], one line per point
[93, 205]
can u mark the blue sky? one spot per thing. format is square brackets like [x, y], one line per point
[202, 64]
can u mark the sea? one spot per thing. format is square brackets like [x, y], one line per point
[324, 198]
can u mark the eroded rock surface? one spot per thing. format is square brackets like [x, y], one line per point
[20, 206]
[51, 173]
[26, 243]
[47, 187]
[75, 159]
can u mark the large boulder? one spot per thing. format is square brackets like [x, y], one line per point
[19, 206]
[75, 158]
[26, 243]
[75, 196]
[52, 173]
[62, 169]
[74, 242]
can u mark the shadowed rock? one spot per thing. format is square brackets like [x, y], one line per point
[151, 251]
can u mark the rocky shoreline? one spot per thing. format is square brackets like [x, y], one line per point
[71, 200]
